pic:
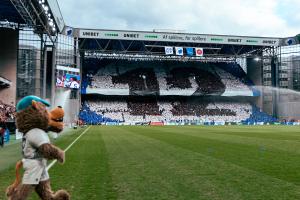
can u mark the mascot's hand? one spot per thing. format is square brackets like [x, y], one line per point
[61, 157]
[50, 152]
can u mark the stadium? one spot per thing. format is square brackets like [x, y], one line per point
[154, 114]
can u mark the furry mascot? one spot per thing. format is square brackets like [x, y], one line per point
[33, 120]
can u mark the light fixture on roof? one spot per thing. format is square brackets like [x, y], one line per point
[46, 8]
[257, 59]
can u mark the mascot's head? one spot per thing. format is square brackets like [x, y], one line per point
[56, 118]
[32, 113]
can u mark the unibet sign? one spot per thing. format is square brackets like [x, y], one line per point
[178, 37]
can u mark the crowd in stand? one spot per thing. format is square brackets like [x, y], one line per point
[259, 116]
[141, 79]
[143, 107]
[213, 80]
[151, 110]
[7, 112]
[194, 80]
[231, 82]
[179, 78]
[236, 71]
[105, 82]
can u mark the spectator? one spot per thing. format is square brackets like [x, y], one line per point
[74, 83]
[2, 135]
[7, 112]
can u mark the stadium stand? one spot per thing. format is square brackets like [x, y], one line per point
[259, 116]
[142, 79]
[7, 112]
[138, 87]
[91, 117]
[143, 109]
[208, 79]
[207, 82]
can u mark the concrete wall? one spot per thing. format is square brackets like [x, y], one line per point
[288, 106]
[8, 63]
[289, 111]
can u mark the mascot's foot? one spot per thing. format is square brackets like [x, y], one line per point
[19, 193]
[61, 195]
[45, 192]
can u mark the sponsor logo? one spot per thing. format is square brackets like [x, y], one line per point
[91, 34]
[216, 39]
[252, 41]
[69, 31]
[235, 40]
[269, 42]
[111, 34]
[169, 50]
[199, 51]
[151, 36]
[131, 35]
[179, 51]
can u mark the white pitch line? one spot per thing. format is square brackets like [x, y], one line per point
[54, 161]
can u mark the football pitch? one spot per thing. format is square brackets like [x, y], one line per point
[172, 162]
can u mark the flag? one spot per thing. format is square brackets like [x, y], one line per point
[179, 51]
[169, 50]
[190, 51]
[199, 51]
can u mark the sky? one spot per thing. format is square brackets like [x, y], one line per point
[278, 18]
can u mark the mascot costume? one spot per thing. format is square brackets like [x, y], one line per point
[33, 120]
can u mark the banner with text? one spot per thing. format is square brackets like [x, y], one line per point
[177, 37]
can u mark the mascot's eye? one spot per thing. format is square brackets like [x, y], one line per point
[58, 120]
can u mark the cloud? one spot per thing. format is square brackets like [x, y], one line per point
[236, 17]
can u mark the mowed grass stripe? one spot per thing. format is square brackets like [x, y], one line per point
[278, 164]
[141, 170]
[147, 168]
[286, 133]
[242, 137]
[9, 155]
[86, 173]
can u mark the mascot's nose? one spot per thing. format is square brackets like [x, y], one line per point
[59, 106]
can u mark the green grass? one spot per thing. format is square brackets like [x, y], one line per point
[189, 162]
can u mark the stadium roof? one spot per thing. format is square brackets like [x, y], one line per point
[177, 37]
[4, 82]
[120, 44]
[42, 15]
[9, 13]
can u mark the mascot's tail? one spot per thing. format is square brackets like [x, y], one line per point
[12, 187]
